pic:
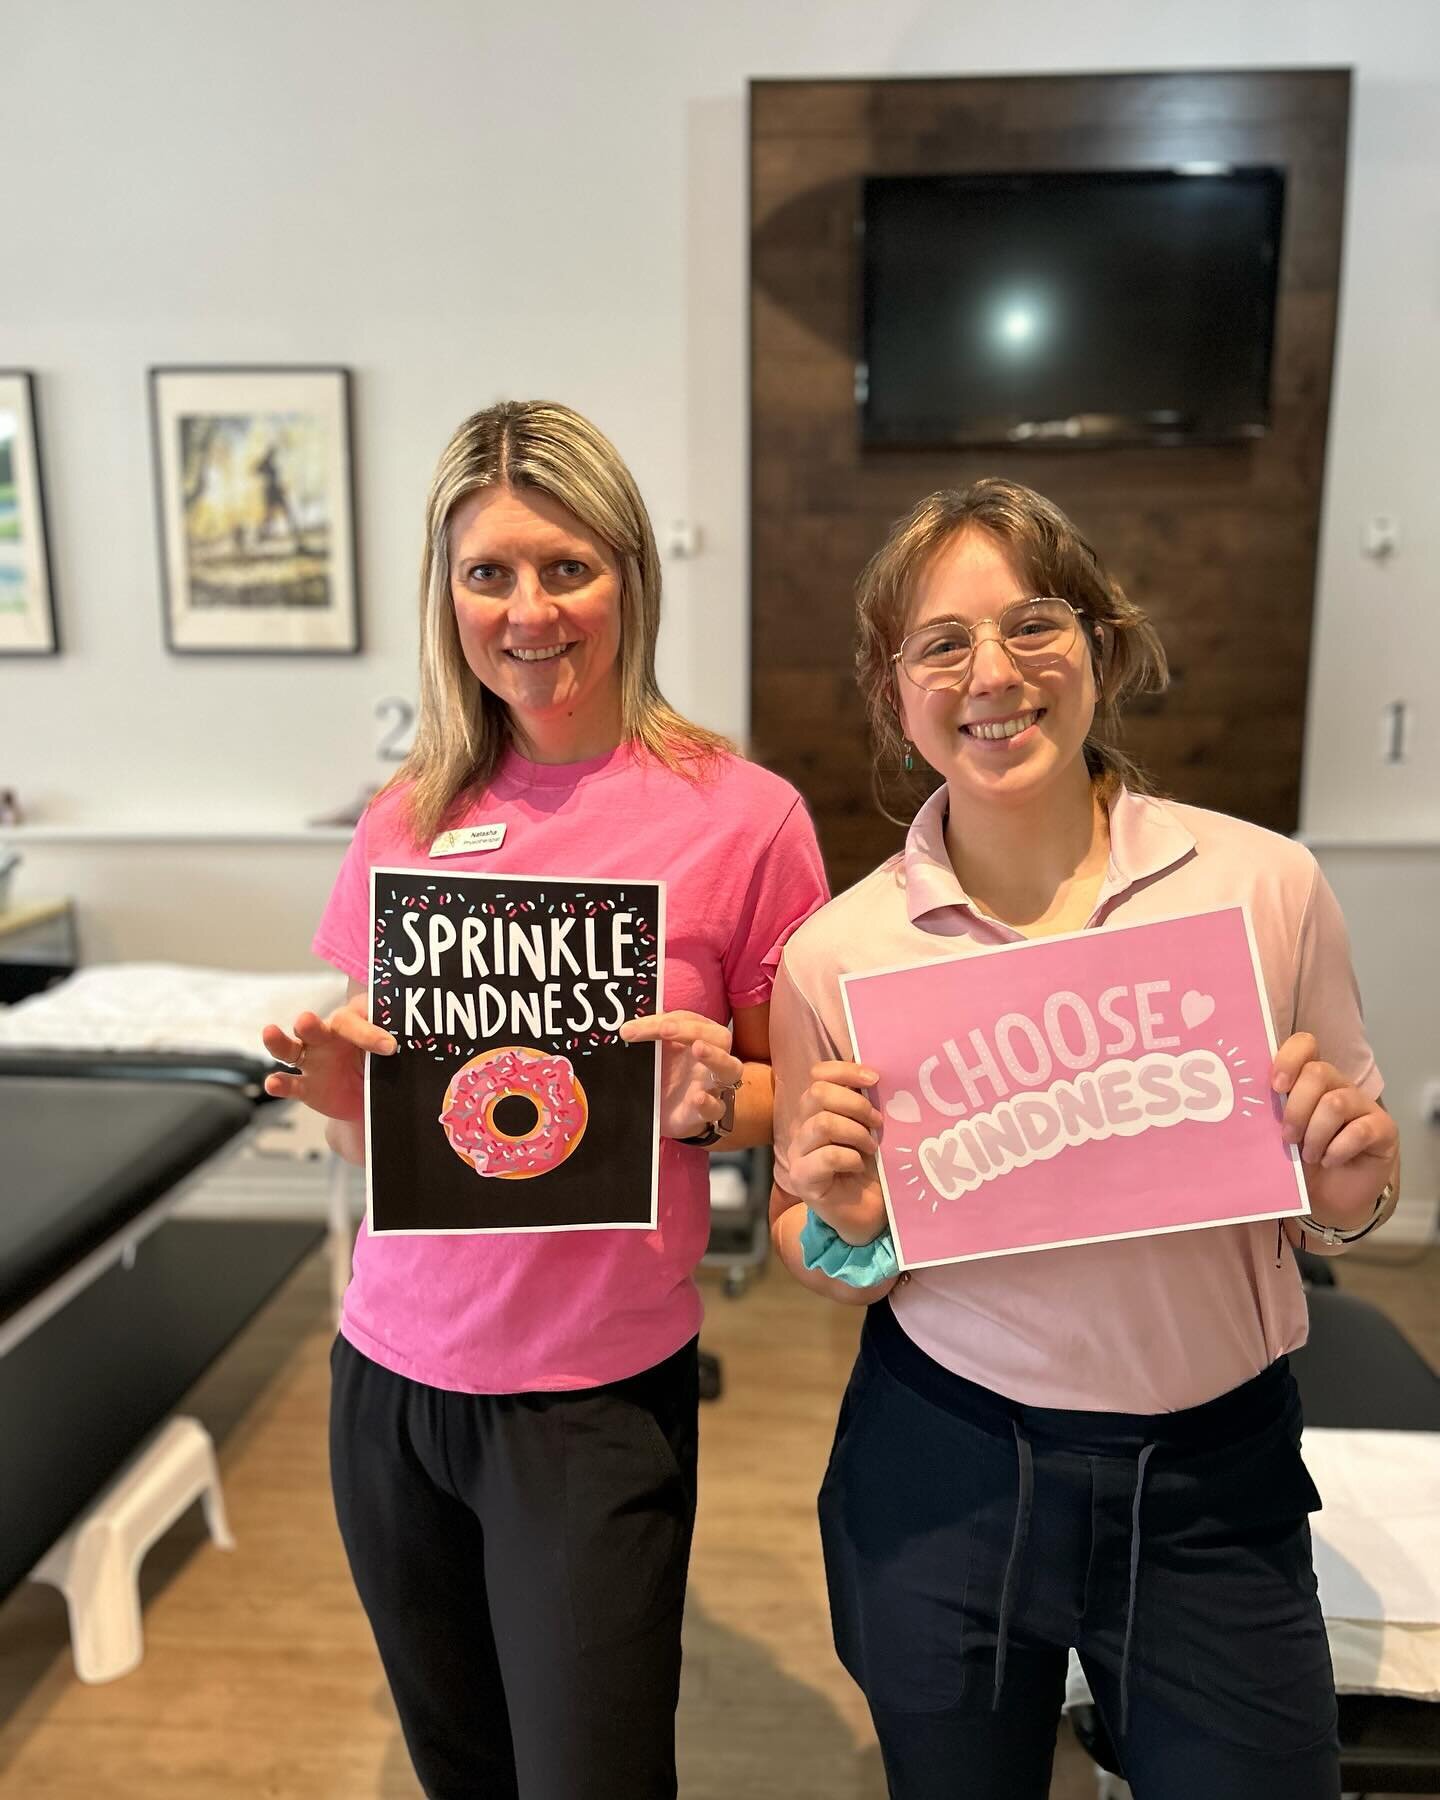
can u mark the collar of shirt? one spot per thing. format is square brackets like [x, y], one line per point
[1146, 842]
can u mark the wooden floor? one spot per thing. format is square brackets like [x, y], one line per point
[260, 1678]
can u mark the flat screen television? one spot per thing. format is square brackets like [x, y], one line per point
[1074, 308]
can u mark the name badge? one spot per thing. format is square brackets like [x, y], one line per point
[468, 841]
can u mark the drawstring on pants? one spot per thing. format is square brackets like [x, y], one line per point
[1023, 1505]
[1140, 1466]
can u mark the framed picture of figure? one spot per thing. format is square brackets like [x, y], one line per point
[27, 602]
[255, 497]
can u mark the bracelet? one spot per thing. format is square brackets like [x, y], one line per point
[1332, 1234]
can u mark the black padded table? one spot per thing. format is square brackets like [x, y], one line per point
[213, 1068]
[1360, 1372]
[82, 1159]
[109, 1308]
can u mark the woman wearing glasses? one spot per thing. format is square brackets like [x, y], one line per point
[1093, 1446]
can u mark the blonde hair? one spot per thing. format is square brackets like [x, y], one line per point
[463, 730]
[1050, 556]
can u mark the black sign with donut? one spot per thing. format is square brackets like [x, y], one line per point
[513, 1103]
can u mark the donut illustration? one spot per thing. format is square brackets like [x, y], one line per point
[528, 1138]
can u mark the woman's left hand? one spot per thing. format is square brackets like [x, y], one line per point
[1346, 1140]
[695, 1063]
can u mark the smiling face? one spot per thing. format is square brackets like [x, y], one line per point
[1006, 734]
[537, 606]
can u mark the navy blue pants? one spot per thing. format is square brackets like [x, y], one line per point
[970, 1541]
[522, 1560]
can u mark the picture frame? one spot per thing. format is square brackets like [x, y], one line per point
[28, 624]
[255, 503]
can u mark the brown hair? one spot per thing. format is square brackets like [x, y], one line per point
[1050, 557]
[463, 730]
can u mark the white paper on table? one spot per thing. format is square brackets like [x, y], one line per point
[1377, 1541]
[729, 1190]
[128, 1007]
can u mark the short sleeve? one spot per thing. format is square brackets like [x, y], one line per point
[786, 886]
[343, 934]
[798, 1040]
[1327, 997]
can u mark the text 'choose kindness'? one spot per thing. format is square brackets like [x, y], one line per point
[1103, 1091]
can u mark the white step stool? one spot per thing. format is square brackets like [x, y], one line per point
[96, 1565]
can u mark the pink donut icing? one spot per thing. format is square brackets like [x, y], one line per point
[476, 1089]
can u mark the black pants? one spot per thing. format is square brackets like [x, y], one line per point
[522, 1560]
[969, 1542]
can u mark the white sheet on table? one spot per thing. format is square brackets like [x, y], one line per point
[1377, 1541]
[729, 1190]
[164, 1006]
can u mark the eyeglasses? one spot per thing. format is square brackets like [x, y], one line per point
[939, 655]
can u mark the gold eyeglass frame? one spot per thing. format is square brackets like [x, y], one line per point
[897, 656]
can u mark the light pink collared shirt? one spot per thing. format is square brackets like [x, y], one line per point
[1142, 1325]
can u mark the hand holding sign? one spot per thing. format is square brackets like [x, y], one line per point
[695, 1062]
[829, 1164]
[1347, 1141]
[330, 1055]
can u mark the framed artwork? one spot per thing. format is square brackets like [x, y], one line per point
[27, 603]
[255, 498]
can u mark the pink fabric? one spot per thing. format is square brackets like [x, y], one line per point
[1145, 1325]
[570, 1310]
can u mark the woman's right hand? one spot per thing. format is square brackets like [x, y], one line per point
[330, 1055]
[830, 1156]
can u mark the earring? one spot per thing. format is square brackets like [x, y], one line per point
[909, 757]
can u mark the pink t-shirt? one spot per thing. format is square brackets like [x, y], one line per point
[1143, 1325]
[531, 1312]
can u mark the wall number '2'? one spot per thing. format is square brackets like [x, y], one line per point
[395, 740]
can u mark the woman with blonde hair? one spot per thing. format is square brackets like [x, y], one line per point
[513, 1421]
[1095, 1445]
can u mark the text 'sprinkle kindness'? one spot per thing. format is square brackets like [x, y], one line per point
[1030, 1087]
[572, 972]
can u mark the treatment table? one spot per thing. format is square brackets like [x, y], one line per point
[109, 1308]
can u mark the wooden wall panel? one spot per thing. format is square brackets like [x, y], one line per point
[1218, 543]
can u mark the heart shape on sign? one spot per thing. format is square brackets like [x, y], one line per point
[1196, 1008]
[903, 1108]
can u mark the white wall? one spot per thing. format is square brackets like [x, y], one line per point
[462, 200]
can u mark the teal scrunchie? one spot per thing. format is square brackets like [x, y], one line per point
[857, 1265]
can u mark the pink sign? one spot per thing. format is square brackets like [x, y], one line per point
[1102, 1084]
